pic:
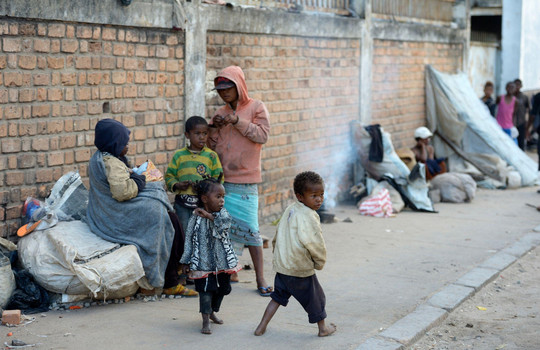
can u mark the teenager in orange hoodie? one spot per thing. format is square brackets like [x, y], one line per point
[238, 131]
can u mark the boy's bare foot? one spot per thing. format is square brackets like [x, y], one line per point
[327, 330]
[260, 330]
[215, 319]
[267, 316]
[206, 324]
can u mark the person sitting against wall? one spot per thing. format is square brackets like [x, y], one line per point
[425, 153]
[123, 208]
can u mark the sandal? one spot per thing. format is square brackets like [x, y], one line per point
[180, 290]
[265, 291]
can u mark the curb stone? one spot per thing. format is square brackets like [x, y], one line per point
[499, 261]
[380, 344]
[478, 277]
[532, 238]
[518, 249]
[451, 296]
[413, 326]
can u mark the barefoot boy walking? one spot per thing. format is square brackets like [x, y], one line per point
[299, 250]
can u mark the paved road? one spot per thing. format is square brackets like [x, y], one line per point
[378, 271]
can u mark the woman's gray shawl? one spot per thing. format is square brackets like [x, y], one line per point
[207, 246]
[142, 221]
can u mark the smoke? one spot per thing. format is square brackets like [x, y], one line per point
[338, 169]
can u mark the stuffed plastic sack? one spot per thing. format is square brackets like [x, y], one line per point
[7, 280]
[69, 259]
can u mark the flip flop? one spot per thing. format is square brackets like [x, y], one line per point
[26, 229]
[264, 291]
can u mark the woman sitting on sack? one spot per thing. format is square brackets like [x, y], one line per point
[123, 208]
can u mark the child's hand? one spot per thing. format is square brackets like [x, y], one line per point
[219, 121]
[185, 269]
[231, 119]
[182, 185]
[203, 214]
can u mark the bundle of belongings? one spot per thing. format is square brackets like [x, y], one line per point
[469, 137]
[389, 178]
[60, 252]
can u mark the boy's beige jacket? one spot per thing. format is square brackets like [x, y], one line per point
[299, 247]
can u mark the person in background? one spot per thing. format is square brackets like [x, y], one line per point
[534, 122]
[488, 99]
[522, 107]
[506, 109]
[237, 133]
[425, 153]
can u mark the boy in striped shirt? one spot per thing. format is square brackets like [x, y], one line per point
[189, 165]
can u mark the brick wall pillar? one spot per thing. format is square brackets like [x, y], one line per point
[366, 63]
[195, 58]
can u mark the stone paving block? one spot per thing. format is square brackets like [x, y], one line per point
[533, 238]
[413, 326]
[451, 296]
[380, 344]
[499, 261]
[518, 249]
[478, 277]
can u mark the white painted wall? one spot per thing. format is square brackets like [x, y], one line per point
[530, 45]
[482, 65]
[511, 41]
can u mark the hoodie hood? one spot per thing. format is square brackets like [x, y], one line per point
[236, 75]
[111, 136]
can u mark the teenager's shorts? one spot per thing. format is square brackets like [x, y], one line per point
[306, 290]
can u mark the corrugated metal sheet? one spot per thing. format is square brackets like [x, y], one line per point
[435, 10]
[329, 6]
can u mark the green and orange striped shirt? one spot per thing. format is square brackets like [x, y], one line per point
[188, 166]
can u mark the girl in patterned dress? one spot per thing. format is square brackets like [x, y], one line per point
[208, 257]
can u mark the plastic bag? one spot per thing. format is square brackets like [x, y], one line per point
[152, 173]
[68, 198]
[29, 296]
[378, 205]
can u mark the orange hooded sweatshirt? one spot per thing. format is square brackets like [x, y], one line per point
[239, 145]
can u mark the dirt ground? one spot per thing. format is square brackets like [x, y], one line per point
[511, 319]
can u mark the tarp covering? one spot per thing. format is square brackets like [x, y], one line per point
[457, 114]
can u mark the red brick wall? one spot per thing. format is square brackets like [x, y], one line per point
[54, 81]
[398, 95]
[310, 87]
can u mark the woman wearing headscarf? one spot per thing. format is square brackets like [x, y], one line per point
[125, 209]
[239, 130]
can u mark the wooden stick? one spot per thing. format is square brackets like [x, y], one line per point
[464, 155]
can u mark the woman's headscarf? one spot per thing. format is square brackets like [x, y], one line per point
[111, 136]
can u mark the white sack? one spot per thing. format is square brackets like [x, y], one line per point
[69, 259]
[454, 187]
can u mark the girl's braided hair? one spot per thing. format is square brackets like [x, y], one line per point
[205, 185]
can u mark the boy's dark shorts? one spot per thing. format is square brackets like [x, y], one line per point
[306, 290]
